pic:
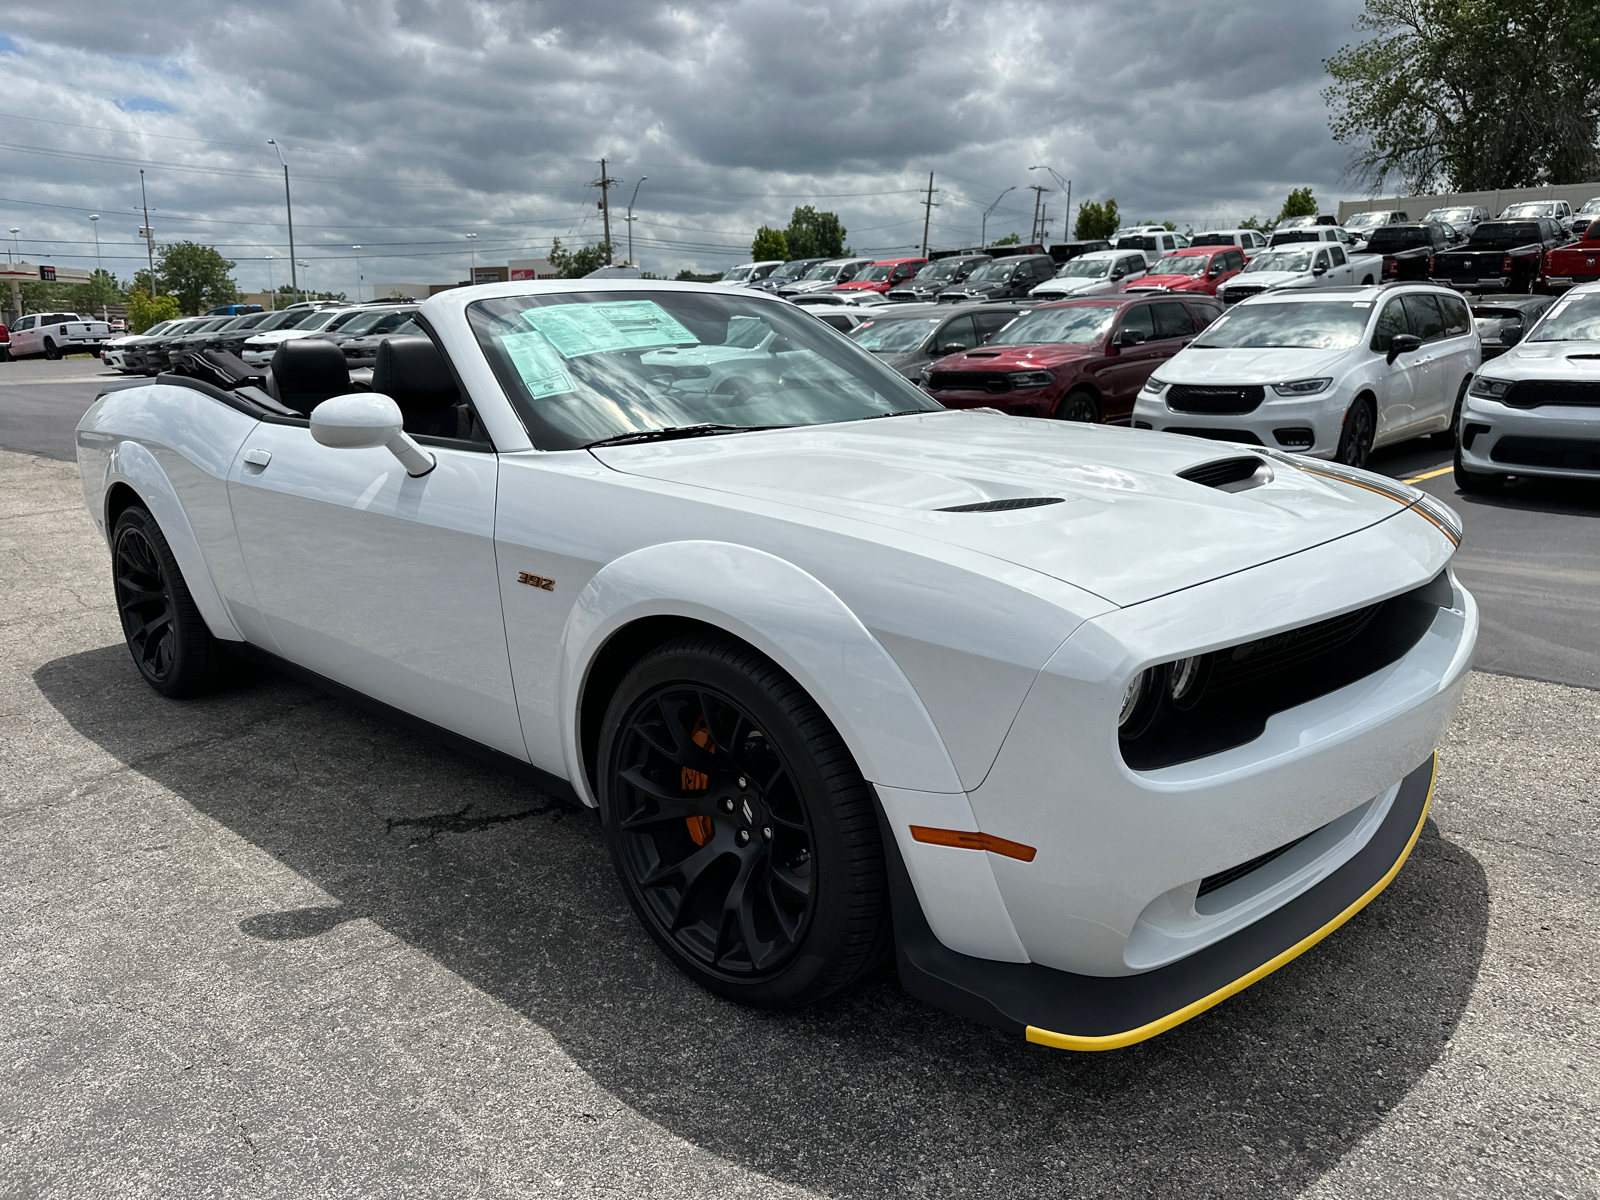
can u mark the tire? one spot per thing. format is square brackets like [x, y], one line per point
[169, 641]
[1077, 405]
[745, 837]
[1475, 483]
[1355, 440]
[1446, 437]
[51, 352]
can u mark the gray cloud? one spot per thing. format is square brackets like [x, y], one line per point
[409, 123]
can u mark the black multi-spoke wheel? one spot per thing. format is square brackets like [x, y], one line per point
[166, 635]
[1078, 406]
[1355, 439]
[743, 832]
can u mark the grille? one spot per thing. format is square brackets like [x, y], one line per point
[1222, 879]
[1252, 660]
[1571, 454]
[1217, 435]
[1223, 471]
[1005, 505]
[1182, 397]
[1235, 294]
[993, 382]
[1535, 393]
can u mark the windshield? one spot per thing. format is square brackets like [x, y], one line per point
[889, 336]
[1529, 209]
[583, 366]
[945, 269]
[993, 272]
[1501, 235]
[1085, 269]
[1078, 325]
[280, 320]
[1396, 237]
[161, 327]
[1298, 222]
[1212, 239]
[1573, 320]
[1367, 220]
[1298, 261]
[735, 274]
[791, 270]
[1297, 235]
[1451, 216]
[365, 322]
[875, 274]
[1180, 264]
[1303, 325]
[824, 271]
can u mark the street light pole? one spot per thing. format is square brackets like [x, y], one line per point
[14, 246]
[149, 234]
[298, 263]
[983, 236]
[272, 287]
[472, 240]
[357, 249]
[94, 221]
[288, 208]
[631, 199]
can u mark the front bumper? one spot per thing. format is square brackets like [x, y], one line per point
[1557, 441]
[1278, 421]
[1085, 1012]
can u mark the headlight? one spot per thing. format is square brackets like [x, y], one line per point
[1031, 379]
[1301, 387]
[1490, 389]
[1154, 386]
[1141, 700]
[1188, 679]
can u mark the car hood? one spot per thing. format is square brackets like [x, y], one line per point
[1128, 528]
[273, 336]
[1074, 286]
[1015, 358]
[1550, 360]
[1259, 365]
[1187, 283]
[1268, 279]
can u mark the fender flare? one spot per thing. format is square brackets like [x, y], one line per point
[132, 464]
[787, 614]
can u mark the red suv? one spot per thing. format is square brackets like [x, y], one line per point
[1076, 360]
[1195, 269]
[881, 276]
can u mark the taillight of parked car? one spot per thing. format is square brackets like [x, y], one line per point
[1506, 265]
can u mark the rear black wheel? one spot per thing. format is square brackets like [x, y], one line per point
[744, 834]
[1078, 405]
[168, 638]
[51, 351]
[1355, 440]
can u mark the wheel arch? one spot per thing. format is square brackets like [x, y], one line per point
[655, 594]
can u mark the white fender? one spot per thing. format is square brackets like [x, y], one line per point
[789, 616]
[131, 463]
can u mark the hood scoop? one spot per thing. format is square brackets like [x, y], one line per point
[1229, 474]
[985, 353]
[1004, 505]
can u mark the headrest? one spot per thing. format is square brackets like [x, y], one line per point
[411, 372]
[307, 371]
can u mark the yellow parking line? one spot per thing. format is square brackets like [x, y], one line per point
[1434, 474]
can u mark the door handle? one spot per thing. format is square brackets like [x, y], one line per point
[258, 458]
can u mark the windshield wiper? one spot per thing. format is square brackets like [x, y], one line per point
[677, 431]
[904, 412]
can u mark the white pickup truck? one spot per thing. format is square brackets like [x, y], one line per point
[55, 334]
[1301, 265]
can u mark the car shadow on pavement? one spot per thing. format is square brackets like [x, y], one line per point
[1568, 497]
[871, 1094]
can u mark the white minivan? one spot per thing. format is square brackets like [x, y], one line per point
[1330, 372]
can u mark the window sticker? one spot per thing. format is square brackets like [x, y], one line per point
[542, 371]
[579, 329]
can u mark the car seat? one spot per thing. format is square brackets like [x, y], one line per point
[305, 372]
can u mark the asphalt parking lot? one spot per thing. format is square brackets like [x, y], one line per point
[266, 944]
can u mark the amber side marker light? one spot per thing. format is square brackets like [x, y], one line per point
[963, 840]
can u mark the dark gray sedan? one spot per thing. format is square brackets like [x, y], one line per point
[908, 337]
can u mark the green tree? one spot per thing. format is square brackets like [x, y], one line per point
[101, 291]
[1256, 223]
[145, 310]
[769, 243]
[1010, 239]
[1470, 94]
[688, 276]
[1301, 203]
[197, 275]
[575, 264]
[813, 234]
[1097, 220]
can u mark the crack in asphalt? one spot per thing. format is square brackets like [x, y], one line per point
[434, 824]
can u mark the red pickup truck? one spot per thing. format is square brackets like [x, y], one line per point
[1577, 263]
[881, 276]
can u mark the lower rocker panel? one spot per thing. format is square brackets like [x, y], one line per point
[1085, 1012]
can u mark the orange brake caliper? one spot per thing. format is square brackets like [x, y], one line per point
[696, 781]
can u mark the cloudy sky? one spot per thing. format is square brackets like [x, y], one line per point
[409, 125]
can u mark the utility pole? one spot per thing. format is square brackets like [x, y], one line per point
[1038, 191]
[603, 183]
[927, 214]
[288, 207]
[147, 233]
[1060, 182]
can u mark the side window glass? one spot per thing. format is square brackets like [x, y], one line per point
[1338, 255]
[1457, 320]
[989, 324]
[1391, 320]
[1203, 315]
[1422, 313]
[1134, 266]
[1140, 320]
[1173, 320]
[1322, 258]
[958, 332]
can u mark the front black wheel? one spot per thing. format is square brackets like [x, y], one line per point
[168, 638]
[1475, 483]
[744, 834]
[1078, 406]
[1355, 440]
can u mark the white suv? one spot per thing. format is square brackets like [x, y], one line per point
[1330, 372]
[1092, 274]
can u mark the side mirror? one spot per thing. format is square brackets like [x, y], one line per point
[1127, 337]
[365, 421]
[1511, 335]
[954, 348]
[1319, 269]
[1403, 343]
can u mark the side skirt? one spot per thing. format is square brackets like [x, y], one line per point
[1087, 1012]
[542, 779]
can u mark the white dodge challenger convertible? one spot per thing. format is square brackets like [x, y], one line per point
[1088, 728]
